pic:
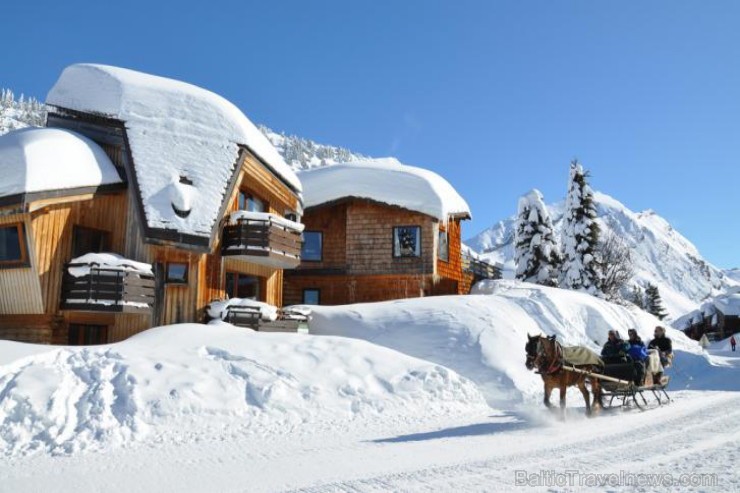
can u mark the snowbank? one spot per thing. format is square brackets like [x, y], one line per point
[482, 337]
[43, 159]
[384, 180]
[198, 131]
[111, 261]
[182, 380]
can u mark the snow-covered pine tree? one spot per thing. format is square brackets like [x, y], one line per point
[536, 251]
[579, 270]
[653, 302]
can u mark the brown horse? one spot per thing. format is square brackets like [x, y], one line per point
[546, 355]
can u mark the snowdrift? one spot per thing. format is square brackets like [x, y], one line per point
[188, 379]
[482, 336]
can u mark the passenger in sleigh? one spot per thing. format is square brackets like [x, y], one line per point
[639, 354]
[663, 346]
[616, 350]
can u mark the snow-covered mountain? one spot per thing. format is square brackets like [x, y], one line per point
[662, 255]
[733, 274]
[19, 112]
[304, 154]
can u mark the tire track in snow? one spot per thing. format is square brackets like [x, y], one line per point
[705, 429]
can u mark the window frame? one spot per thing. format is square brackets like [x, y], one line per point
[247, 194]
[439, 245]
[105, 236]
[318, 296]
[22, 245]
[393, 242]
[176, 282]
[261, 284]
[321, 249]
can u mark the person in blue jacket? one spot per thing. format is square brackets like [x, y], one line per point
[638, 353]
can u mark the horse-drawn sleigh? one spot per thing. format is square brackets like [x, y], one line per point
[562, 367]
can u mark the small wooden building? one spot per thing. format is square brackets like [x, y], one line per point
[378, 230]
[718, 319]
[155, 171]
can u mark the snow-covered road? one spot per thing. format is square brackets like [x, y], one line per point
[696, 434]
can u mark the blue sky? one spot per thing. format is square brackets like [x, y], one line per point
[496, 96]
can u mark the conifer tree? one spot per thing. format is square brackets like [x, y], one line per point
[580, 270]
[536, 251]
[653, 302]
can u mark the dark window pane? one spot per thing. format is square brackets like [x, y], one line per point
[248, 202]
[248, 287]
[311, 296]
[87, 335]
[407, 241]
[444, 246]
[10, 244]
[177, 273]
[312, 246]
[88, 240]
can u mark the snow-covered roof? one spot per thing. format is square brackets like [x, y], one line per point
[177, 132]
[384, 180]
[43, 159]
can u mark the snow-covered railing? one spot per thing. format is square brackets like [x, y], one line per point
[258, 315]
[264, 237]
[479, 268]
[107, 282]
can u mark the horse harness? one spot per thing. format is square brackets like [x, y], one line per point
[553, 366]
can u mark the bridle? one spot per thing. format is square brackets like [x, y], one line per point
[538, 357]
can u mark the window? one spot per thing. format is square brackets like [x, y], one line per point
[311, 297]
[87, 335]
[444, 246]
[88, 240]
[242, 286]
[177, 273]
[312, 248]
[291, 216]
[12, 246]
[407, 241]
[249, 202]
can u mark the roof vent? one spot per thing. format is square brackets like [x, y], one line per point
[182, 193]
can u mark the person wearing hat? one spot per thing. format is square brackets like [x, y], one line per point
[615, 350]
[664, 345]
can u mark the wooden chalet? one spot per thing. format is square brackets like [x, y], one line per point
[150, 171]
[378, 230]
[718, 319]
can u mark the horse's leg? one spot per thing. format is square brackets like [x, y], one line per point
[548, 391]
[586, 395]
[598, 403]
[563, 391]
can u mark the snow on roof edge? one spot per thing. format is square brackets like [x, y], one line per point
[387, 181]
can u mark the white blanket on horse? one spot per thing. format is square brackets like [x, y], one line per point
[579, 355]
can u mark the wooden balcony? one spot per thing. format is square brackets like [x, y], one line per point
[271, 241]
[480, 268]
[107, 290]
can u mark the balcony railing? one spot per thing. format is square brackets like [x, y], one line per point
[480, 268]
[263, 239]
[104, 289]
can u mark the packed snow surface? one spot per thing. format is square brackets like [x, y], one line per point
[183, 379]
[177, 132]
[384, 180]
[43, 159]
[482, 336]
[662, 256]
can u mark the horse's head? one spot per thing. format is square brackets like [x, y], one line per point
[532, 350]
[540, 350]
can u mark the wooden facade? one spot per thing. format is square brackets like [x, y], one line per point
[358, 261]
[31, 304]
